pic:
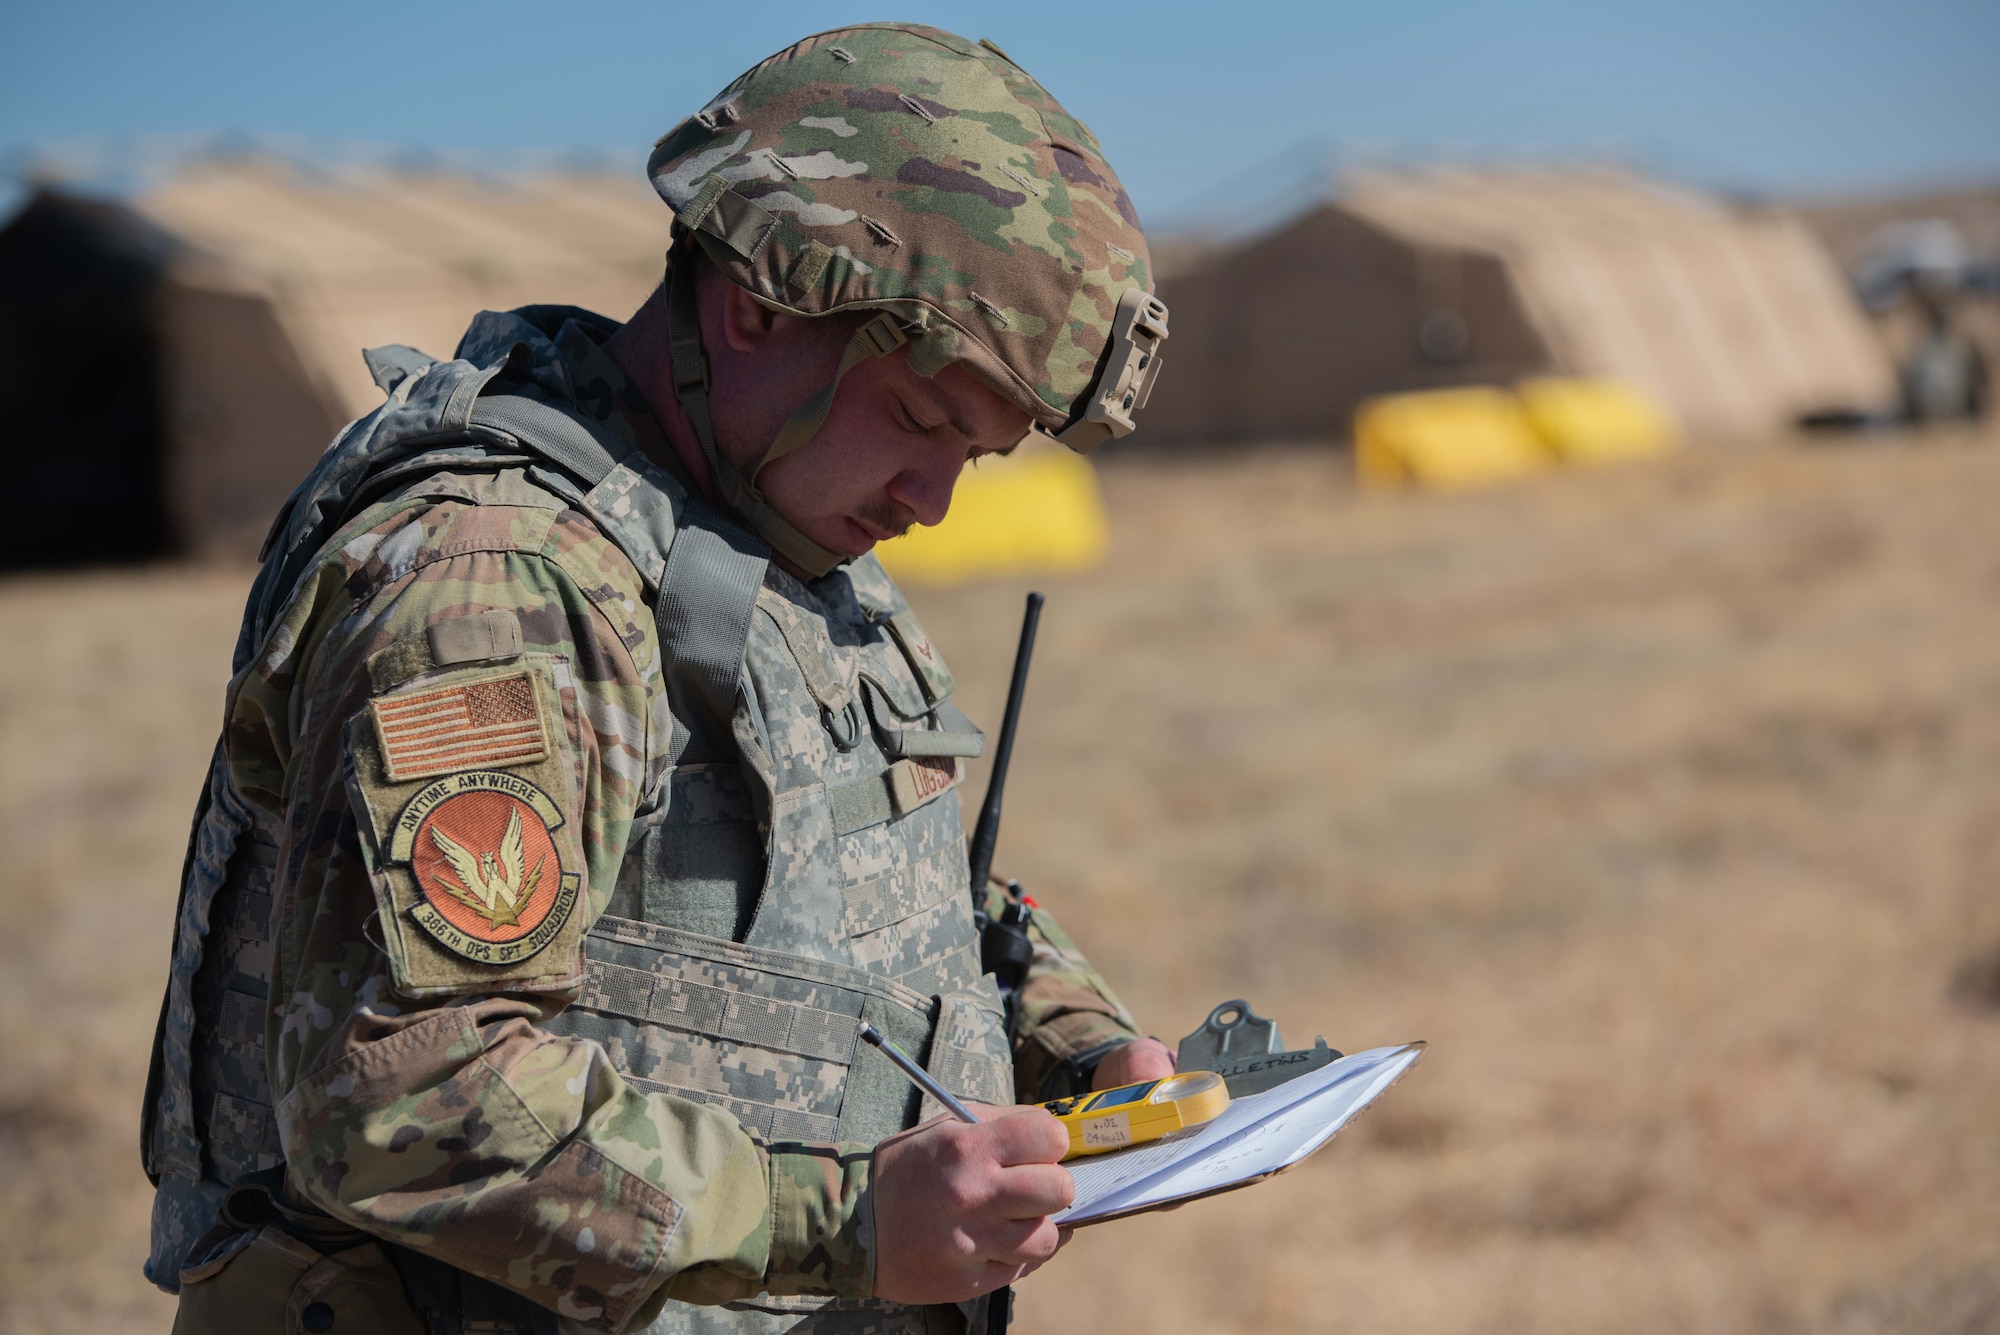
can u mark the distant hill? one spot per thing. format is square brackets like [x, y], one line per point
[1847, 225]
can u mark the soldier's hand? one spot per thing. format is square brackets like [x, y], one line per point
[1141, 1059]
[961, 1210]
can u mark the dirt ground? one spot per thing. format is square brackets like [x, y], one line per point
[1663, 801]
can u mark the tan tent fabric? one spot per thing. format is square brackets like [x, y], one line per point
[1282, 337]
[288, 276]
[1735, 322]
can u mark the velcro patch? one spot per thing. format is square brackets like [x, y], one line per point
[481, 846]
[479, 871]
[490, 722]
[916, 781]
[923, 655]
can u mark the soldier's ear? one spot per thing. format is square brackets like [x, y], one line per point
[746, 322]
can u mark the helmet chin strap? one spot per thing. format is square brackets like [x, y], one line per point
[738, 493]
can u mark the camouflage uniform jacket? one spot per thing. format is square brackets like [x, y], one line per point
[462, 692]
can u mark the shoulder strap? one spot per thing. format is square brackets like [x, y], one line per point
[708, 594]
[582, 449]
[708, 590]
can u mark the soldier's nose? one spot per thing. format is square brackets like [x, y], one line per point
[925, 492]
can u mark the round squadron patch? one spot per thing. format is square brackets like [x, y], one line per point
[481, 848]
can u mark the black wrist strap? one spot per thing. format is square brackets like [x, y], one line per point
[1073, 1074]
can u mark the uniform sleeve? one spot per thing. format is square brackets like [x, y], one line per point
[1064, 1010]
[416, 1094]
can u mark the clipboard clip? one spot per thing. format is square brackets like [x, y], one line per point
[1245, 1049]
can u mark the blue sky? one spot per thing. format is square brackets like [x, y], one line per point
[1205, 109]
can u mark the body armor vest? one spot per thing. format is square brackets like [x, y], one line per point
[801, 868]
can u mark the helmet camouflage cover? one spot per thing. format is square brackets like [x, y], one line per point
[901, 168]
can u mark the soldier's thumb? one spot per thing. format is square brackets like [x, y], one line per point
[1030, 1135]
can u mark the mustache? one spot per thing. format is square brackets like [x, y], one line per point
[892, 517]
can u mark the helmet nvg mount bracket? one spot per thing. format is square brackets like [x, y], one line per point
[901, 169]
[1129, 371]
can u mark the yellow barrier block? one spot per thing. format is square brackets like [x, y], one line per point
[1037, 510]
[1446, 438]
[1596, 421]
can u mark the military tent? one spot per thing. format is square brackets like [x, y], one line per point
[253, 291]
[85, 447]
[1734, 321]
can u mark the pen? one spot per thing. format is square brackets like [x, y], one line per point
[918, 1075]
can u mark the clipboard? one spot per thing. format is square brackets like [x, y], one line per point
[1257, 1137]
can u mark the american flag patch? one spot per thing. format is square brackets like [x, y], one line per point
[459, 727]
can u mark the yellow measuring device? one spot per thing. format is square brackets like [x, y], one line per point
[1111, 1119]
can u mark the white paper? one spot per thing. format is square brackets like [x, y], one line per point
[1257, 1135]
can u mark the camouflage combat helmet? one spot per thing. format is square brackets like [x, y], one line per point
[899, 168]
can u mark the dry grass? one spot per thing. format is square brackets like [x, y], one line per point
[1664, 802]
[110, 696]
